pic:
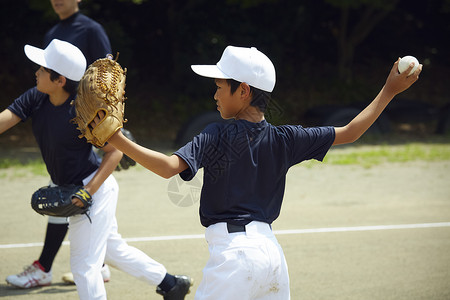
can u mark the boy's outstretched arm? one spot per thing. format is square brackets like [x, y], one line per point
[395, 84]
[159, 163]
[7, 120]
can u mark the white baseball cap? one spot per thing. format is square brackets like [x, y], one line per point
[61, 57]
[247, 65]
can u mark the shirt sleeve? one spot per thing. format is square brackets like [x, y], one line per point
[99, 42]
[195, 152]
[26, 104]
[309, 143]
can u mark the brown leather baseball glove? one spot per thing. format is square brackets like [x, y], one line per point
[102, 88]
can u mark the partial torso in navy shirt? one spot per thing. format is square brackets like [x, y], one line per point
[83, 32]
[245, 166]
[68, 158]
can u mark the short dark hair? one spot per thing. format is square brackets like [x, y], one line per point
[70, 86]
[260, 98]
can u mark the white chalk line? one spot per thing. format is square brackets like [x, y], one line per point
[277, 232]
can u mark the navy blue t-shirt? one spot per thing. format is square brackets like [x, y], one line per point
[68, 158]
[245, 166]
[83, 32]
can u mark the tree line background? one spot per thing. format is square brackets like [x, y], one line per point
[326, 52]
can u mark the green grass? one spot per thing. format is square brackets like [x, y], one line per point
[374, 155]
[363, 155]
[16, 167]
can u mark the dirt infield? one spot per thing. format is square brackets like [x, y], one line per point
[345, 261]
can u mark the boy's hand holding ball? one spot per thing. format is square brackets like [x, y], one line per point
[405, 62]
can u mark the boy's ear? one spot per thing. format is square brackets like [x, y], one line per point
[62, 80]
[245, 89]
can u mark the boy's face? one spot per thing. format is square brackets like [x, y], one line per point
[229, 105]
[43, 82]
[65, 8]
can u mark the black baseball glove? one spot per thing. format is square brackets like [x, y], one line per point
[57, 201]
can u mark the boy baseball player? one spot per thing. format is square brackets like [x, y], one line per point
[90, 37]
[245, 164]
[71, 160]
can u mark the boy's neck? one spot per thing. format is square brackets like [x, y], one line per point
[251, 114]
[66, 15]
[59, 98]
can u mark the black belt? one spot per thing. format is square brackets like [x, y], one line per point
[235, 228]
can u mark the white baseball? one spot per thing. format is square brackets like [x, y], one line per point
[405, 62]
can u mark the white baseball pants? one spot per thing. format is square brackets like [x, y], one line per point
[93, 244]
[244, 265]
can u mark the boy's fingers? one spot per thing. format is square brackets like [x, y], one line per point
[410, 67]
[419, 70]
[77, 202]
[395, 66]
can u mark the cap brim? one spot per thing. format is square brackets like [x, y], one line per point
[36, 55]
[211, 71]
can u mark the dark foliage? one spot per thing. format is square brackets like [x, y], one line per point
[159, 40]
